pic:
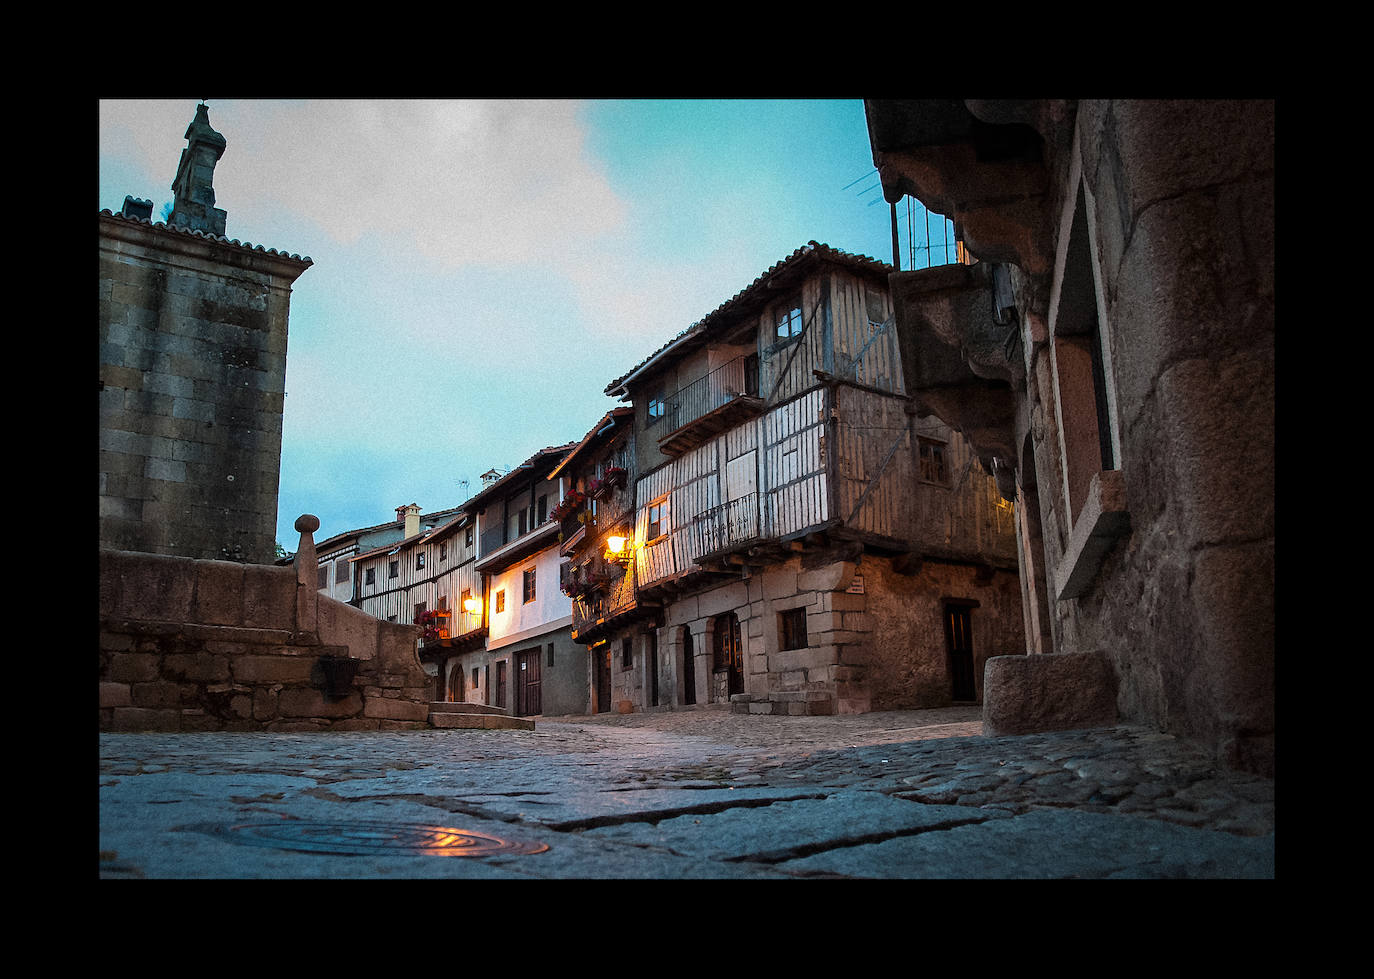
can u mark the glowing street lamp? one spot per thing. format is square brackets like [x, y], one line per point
[616, 548]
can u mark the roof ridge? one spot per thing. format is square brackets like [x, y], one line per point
[811, 247]
[193, 232]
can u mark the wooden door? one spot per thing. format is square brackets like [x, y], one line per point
[729, 651]
[651, 661]
[528, 687]
[501, 684]
[601, 663]
[959, 641]
[689, 669]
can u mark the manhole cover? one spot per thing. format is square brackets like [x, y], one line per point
[373, 838]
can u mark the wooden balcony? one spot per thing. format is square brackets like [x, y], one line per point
[710, 405]
[729, 527]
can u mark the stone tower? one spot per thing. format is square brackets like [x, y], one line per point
[193, 331]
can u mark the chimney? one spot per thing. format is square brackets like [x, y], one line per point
[135, 207]
[489, 477]
[411, 516]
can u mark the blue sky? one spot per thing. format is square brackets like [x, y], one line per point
[484, 269]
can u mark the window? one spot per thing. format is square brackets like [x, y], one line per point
[658, 524]
[468, 540]
[792, 629]
[529, 585]
[627, 655]
[656, 410]
[787, 319]
[463, 599]
[370, 576]
[933, 469]
[443, 549]
[419, 610]
[340, 572]
[543, 512]
[419, 560]
[501, 600]
[550, 654]
[393, 569]
[522, 518]
[475, 675]
[874, 302]
[323, 581]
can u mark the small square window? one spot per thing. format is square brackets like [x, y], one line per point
[933, 468]
[529, 585]
[370, 576]
[501, 600]
[657, 408]
[340, 572]
[467, 542]
[323, 581]
[787, 319]
[419, 560]
[658, 526]
[393, 569]
[792, 629]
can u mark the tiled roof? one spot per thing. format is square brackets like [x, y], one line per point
[106, 212]
[615, 414]
[556, 450]
[329, 542]
[812, 250]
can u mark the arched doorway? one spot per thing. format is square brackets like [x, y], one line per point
[729, 651]
[455, 684]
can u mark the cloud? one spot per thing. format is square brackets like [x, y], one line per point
[462, 182]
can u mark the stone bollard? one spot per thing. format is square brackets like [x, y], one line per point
[307, 575]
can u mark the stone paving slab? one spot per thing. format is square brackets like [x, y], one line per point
[792, 827]
[1053, 845]
[685, 795]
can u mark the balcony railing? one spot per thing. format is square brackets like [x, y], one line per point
[733, 383]
[727, 525]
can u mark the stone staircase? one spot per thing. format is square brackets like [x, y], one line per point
[479, 716]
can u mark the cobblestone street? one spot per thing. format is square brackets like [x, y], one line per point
[695, 793]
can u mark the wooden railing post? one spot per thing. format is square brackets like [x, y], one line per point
[307, 575]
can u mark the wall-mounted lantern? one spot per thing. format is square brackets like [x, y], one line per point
[617, 549]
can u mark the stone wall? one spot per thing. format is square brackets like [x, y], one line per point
[191, 645]
[1139, 237]
[193, 332]
[875, 637]
[1183, 251]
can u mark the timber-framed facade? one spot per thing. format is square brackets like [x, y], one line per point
[808, 537]
[597, 520]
